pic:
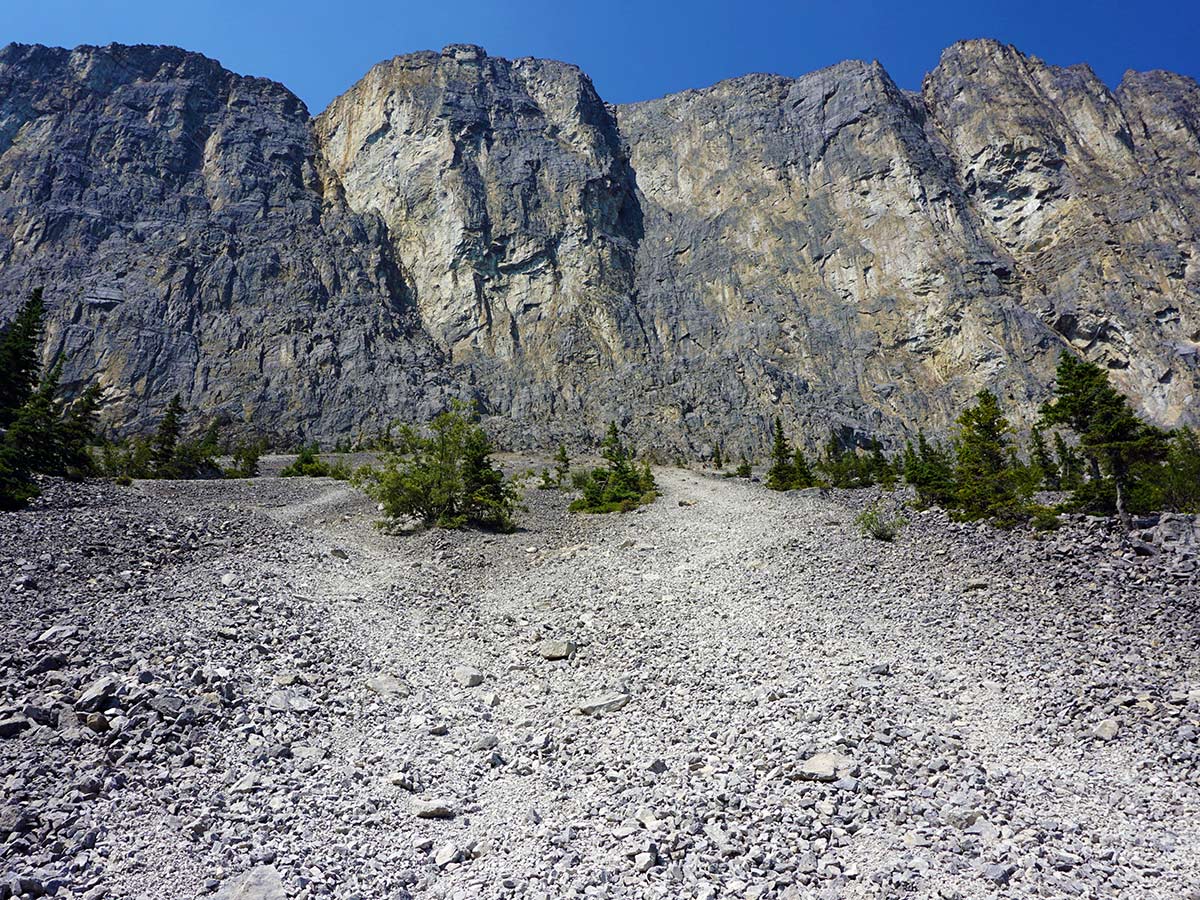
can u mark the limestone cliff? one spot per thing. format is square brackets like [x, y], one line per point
[831, 248]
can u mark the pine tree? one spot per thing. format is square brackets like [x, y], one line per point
[718, 462]
[1068, 464]
[562, 466]
[988, 482]
[1112, 436]
[929, 468]
[781, 475]
[166, 438]
[34, 440]
[78, 430]
[1045, 470]
[20, 350]
[488, 500]
[743, 469]
[802, 476]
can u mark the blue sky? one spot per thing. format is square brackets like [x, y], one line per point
[632, 50]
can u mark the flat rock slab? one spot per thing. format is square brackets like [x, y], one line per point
[260, 883]
[388, 686]
[826, 767]
[555, 649]
[603, 703]
[433, 809]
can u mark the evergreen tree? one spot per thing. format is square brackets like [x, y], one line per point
[1068, 464]
[718, 462]
[880, 468]
[802, 476]
[20, 351]
[620, 485]
[1045, 471]
[1112, 437]
[743, 469]
[562, 466]
[33, 442]
[781, 475]
[988, 481]
[78, 432]
[443, 476]
[488, 500]
[930, 469]
[166, 438]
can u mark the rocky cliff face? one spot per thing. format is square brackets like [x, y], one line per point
[191, 240]
[830, 248]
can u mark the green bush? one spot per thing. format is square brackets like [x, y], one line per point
[443, 476]
[875, 523]
[989, 483]
[620, 485]
[929, 468]
[42, 433]
[165, 454]
[246, 454]
[307, 464]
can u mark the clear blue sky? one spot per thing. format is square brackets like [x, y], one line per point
[632, 50]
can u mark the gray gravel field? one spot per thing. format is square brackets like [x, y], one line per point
[244, 689]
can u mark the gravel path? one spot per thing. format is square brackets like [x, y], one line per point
[291, 703]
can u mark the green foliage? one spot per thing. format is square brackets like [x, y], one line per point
[718, 460]
[166, 438]
[246, 454]
[20, 357]
[307, 464]
[560, 477]
[1173, 484]
[781, 474]
[742, 470]
[929, 468]
[1069, 463]
[44, 434]
[876, 523]
[845, 467]
[443, 476]
[562, 466]
[165, 454]
[1044, 471]
[1043, 518]
[989, 483]
[618, 486]
[1115, 441]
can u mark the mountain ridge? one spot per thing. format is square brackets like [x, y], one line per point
[854, 256]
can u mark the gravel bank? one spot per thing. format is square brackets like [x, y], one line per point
[245, 689]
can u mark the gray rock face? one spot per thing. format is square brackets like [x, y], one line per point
[829, 247]
[191, 240]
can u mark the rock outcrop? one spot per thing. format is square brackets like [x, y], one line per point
[831, 248]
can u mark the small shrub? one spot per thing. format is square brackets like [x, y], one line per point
[1044, 518]
[246, 455]
[877, 524]
[620, 485]
[307, 464]
[444, 477]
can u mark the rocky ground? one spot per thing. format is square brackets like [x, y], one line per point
[244, 689]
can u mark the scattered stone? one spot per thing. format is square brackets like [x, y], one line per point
[555, 649]
[826, 767]
[603, 703]
[433, 809]
[259, 883]
[468, 677]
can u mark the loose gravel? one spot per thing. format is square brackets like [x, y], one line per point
[245, 689]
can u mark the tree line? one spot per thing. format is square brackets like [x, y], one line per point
[1106, 458]
[1088, 442]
